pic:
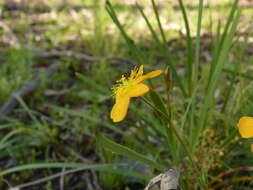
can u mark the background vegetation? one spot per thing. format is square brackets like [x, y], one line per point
[59, 60]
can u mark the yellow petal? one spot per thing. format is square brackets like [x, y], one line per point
[138, 90]
[140, 71]
[251, 147]
[119, 110]
[245, 126]
[150, 75]
[136, 72]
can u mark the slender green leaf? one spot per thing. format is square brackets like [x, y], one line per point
[197, 47]
[208, 100]
[93, 84]
[131, 45]
[159, 21]
[189, 46]
[112, 168]
[158, 102]
[125, 151]
[164, 49]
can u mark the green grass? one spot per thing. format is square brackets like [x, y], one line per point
[188, 119]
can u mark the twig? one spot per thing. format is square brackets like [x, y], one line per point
[5, 181]
[62, 179]
[86, 178]
[95, 180]
[88, 58]
[57, 53]
[233, 170]
[12, 102]
[49, 177]
[93, 173]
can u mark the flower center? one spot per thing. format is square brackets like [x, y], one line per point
[124, 85]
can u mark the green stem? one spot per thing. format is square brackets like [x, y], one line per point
[176, 133]
[197, 49]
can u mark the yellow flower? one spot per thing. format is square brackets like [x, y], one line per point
[127, 88]
[245, 126]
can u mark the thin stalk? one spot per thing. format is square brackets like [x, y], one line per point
[197, 48]
[164, 50]
[209, 96]
[189, 47]
[229, 91]
[159, 21]
[181, 140]
[220, 40]
[238, 74]
[215, 52]
[133, 48]
[184, 119]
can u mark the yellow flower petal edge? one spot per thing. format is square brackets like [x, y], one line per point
[150, 75]
[119, 110]
[138, 90]
[127, 88]
[245, 126]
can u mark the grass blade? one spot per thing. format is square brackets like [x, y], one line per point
[164, 49]
[131, 45]
[125, 151]
[208, 100]
[189, 46]
[111, 168]
[197, 46]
